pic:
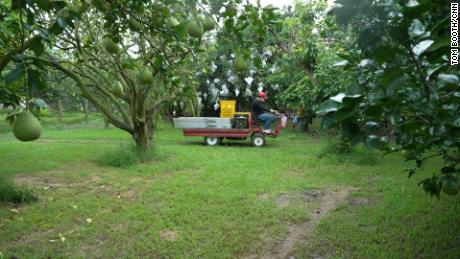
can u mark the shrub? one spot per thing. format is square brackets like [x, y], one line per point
[125, 156]
[9, 192]
[342, 152]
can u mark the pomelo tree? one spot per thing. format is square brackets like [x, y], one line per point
[244, 53]
[124, 56]
[403, 81]
[311, 43]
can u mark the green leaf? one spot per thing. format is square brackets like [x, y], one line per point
[443, 42]
[343, 115]
[448, 170]
[371, 126]
[56, 29]
[344, 14]
[352, 132]
[34, 80]
[61, 21]
[421, 47]
[384, 54]
[181, 31]
[456, 123]
[16, 74]
[328, 106]
[366, 37]
[341, 63]
[44, 4]
[432, 185]
[373, 141]
[449, 78]
[37, 47]
[416, 28]
[18, 4]
[351, 101]
[327, 121]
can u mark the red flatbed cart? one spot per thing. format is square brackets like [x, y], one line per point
[252, 129]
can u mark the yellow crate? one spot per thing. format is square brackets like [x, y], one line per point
[227, 108]
[226, 115]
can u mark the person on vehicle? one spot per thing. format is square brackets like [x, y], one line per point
[262, 112]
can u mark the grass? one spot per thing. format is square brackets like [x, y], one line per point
[125, 156]
[192, 200]
[11, 193]
[51, 121]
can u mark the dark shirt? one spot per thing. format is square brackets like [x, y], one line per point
[259, 107]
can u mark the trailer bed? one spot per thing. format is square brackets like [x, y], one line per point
[234, 133]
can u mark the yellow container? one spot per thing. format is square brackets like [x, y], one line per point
[227, 108]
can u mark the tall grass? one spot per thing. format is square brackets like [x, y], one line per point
[125, 156]
[11, 193]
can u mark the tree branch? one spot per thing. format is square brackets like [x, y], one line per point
[87, 94]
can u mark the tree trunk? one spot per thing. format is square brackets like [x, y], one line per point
[106, 122]
[59, 109]
[86, 109]
[143, 137]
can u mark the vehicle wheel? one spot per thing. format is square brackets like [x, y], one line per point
[211, 141]
[258, 140]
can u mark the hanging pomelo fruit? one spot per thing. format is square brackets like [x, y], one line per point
[240, 64]
[117, 89]
[26, 127]
[110, 46]
[208, 24]
[195, 29]
[145, 77]
[450, 186]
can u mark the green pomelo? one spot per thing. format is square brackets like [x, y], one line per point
[195, 29]
[134, 24]
[232, 10]
[156, 21]
[27, 127]
[450, 186]
[240, 64]
[110, 46]
[173, 22]
[208, 24]
[145, 77]
[117, 89]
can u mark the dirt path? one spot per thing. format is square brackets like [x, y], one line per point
[326, 201]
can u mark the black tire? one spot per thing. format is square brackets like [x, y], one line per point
[212, 141]
[258, 140]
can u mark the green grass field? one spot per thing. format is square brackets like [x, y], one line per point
[292, 197]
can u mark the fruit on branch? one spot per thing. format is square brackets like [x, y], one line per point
[240, 64]
[110, 46]
[173, 22]
[134, 24]
[117, 89]
[208, 24]
[195, 29]
[231, 10]
[450, 185]
[26, 127]
[145, 77]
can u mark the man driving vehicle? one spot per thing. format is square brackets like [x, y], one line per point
[262, 112]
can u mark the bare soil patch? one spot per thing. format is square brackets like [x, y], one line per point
[168, 234]
[34, 237]
[50, 181]
[129, 195]
[325, 201]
